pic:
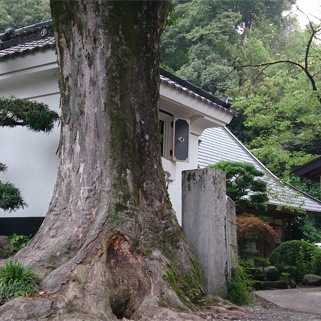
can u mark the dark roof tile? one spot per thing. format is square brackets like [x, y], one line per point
[23, 48]
[32, 38]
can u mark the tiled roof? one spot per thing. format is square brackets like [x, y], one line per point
[182, 85]
[220, 144]
[40, 36]
[24, 40]
[27, 47]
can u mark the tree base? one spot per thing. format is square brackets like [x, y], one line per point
[36, 309]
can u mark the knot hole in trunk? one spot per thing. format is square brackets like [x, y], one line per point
[130, 282]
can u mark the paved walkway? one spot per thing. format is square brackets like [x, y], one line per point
[300, 299]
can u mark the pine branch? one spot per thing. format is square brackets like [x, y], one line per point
[31, 114]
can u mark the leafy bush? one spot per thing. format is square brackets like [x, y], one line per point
[18, 242]
[17, 280]
[239, 287]
[261, 261]
[297, 258]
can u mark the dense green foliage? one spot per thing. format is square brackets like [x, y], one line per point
[297, 258]
[17, 280]
[279, 108]
[36, 117]
[204, 43]
[17, 242]
[310, 227]
[17, 14]
[239, 286]
[280, 118]
[243, 185]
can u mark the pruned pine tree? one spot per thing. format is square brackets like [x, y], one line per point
[110, 246]
[244, 185]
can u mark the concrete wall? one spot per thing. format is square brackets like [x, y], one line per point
[203, 220]
[231, 236]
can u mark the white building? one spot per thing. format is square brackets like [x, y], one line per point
[28, 69]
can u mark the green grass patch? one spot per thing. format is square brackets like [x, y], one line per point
[17, 280]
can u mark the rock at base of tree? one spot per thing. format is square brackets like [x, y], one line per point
[312, 279]
[4, 247]
[23, 308]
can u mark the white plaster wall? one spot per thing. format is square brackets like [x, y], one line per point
[32, 164]
[30, 157]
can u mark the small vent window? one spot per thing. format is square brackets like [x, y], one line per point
[181, 140]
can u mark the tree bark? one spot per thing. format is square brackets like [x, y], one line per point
[110, 246]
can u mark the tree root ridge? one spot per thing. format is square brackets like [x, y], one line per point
[22, 308]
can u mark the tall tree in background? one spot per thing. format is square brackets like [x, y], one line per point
[202, 47]
[110, 237]
[17, 14]
[280, 101]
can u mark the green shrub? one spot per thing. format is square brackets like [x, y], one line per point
[261, 262]
[17, 242]
[316, 262]
[239, 287]
[17, 280]
[285, 276]
[296, 258]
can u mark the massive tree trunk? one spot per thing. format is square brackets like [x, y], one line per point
[110, 246]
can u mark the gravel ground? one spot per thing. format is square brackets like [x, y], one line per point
[263, 310]
[221, 310]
